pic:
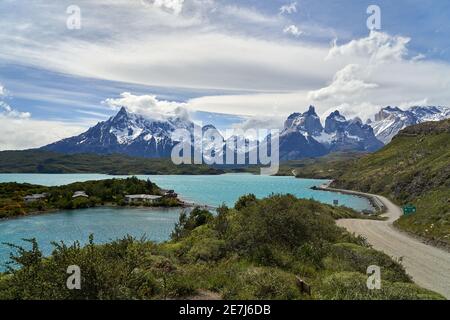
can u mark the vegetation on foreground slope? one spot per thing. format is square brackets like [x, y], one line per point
[413, 169]
[102, 192]
[252, 251]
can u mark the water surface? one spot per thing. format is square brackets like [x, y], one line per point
[212, 190]
[156, 224]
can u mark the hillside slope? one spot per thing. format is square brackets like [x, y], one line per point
[414, 168]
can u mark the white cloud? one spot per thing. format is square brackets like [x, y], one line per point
[149, 106]
[19, 131]
[255, 105]
[195, 49]
[346, 82]
[407, 104]
[289, 8]
[19, 134]
[293, 30]
[363, 110]
[173, 6]
[121, 41]
[206, 61]
[261, 122]
[378, 47]
[248, 15]
[7, 111]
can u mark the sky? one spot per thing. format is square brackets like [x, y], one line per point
[241, 64]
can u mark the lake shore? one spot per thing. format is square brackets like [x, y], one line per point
[374, 202]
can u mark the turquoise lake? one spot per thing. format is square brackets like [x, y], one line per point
[156, 224]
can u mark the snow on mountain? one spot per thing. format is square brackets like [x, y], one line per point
[304, 135]
[125, 133]
[390, 120]
[307, 123]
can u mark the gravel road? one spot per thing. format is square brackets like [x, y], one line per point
[427, 265]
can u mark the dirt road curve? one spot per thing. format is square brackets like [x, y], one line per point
[428, 266]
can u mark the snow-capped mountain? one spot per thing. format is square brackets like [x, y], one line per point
[297, 140]
[125, 133]
[304, 135]
[390, 120]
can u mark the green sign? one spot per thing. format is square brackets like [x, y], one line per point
[409, 209]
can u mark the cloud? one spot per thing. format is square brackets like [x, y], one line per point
[358, 83]
[7, 111]
[236, 54]
[149, 106]
[20, 134]
[248, 15]
[383, 75]
[261, 122]
[346, 82]
[293, 30]
[289, 8]
[173, 6]
[192, 61]
[362, 110]
[19, 131]
[130, 44]
[254, 105]
[378, 46]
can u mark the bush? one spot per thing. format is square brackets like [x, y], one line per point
[353, 286]
[280, 221]
[263, 284]
[197, 217]
[351, 257]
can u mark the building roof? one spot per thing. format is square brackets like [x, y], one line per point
[142, 196]
[36, 196]
[80, 194]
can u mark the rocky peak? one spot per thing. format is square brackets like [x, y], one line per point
[387, 112]
[335, 122]
[307, 122]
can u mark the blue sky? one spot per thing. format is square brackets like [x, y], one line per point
[234, 63]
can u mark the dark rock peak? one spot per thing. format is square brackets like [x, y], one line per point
[311, 111]
[294, 115]
[392, 109]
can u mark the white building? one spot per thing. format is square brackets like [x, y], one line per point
[132, 198]
[35, 197]
[80, 194]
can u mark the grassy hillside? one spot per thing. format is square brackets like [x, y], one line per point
[36, 161]
[255, 250]
[327, 167]
[414, 168]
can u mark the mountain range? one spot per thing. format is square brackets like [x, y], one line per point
[303, 134]
[390, 120]
[125, 133]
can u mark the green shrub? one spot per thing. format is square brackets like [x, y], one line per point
[263, 284]
[353, 286]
